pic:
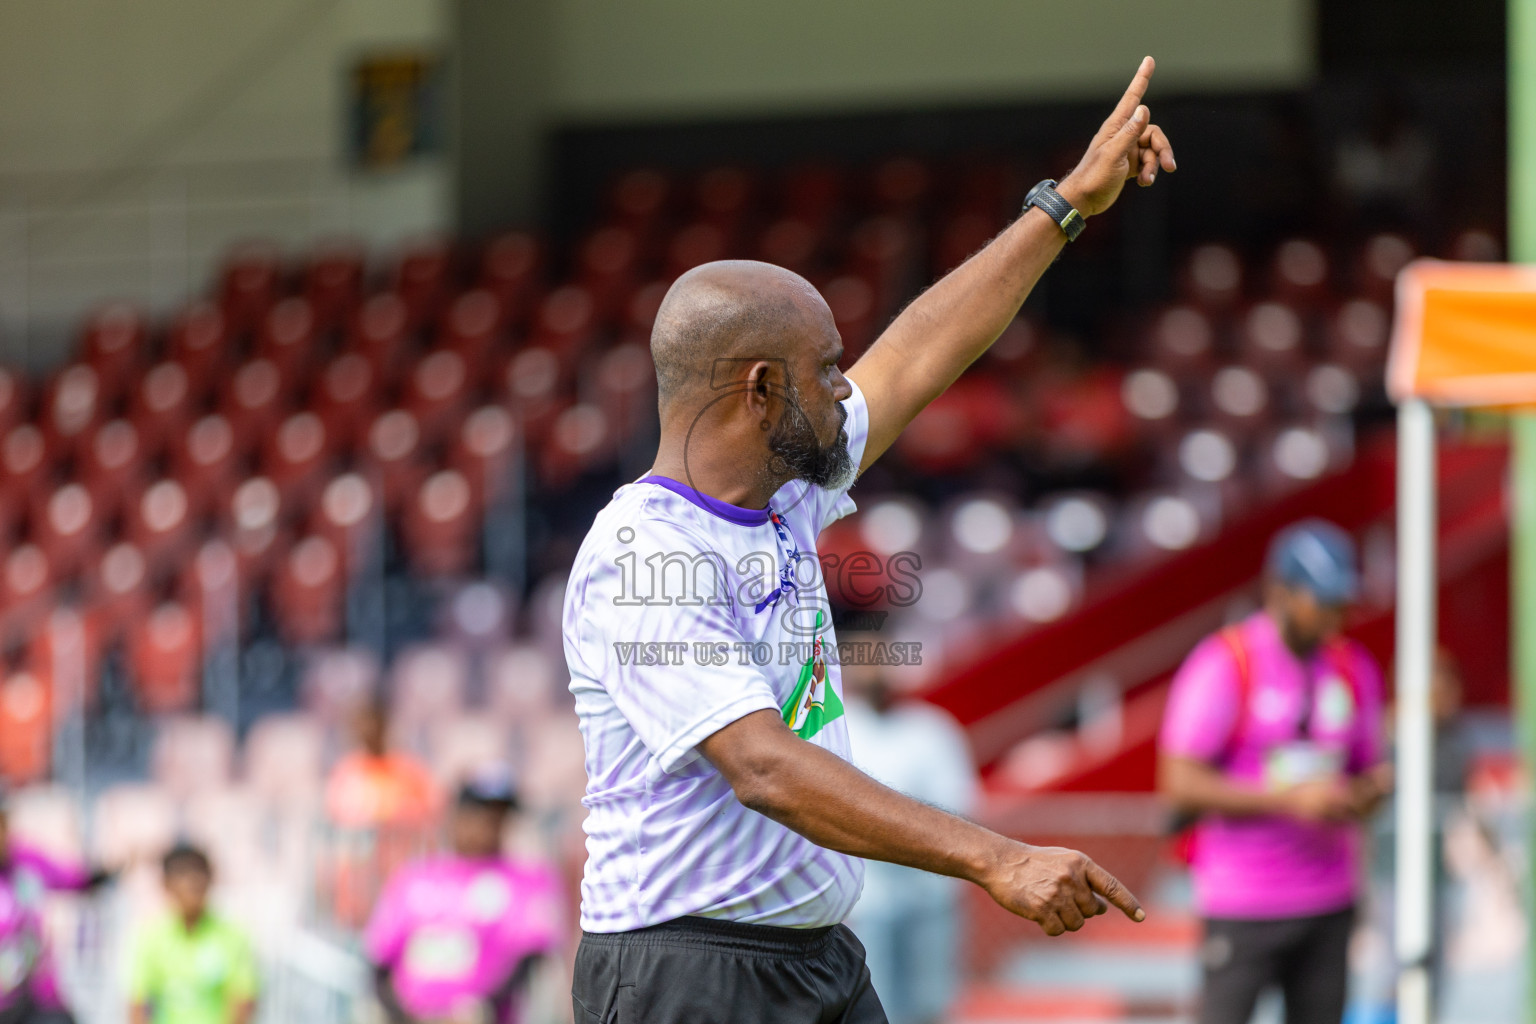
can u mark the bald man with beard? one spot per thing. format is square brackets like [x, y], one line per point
[727, 827]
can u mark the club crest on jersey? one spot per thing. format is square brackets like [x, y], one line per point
[814, 702]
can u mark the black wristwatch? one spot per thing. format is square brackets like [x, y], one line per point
[1055, 205]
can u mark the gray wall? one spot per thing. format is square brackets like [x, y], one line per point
[139, 140]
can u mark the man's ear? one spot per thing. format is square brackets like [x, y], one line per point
[760, 387]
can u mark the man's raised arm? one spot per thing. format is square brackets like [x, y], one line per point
[951, 324]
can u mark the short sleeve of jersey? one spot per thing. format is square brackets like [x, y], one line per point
[828, 506]
[672, 669]
[139, 979]
[243, 982]
[1202, 705]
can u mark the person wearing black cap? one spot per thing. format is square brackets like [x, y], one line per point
[455, 936]
[1273, 741]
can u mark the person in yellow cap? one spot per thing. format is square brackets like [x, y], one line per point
[191, 966]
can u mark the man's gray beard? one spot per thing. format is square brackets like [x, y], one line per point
[794, 453]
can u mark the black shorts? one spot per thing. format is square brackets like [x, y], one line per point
[1306, 958]
[700, 971]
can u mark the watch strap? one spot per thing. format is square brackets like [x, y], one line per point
[1055, 206]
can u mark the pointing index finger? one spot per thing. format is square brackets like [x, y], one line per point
[1133, 94]
[1111, 888]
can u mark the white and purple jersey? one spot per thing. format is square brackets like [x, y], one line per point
[682, 615]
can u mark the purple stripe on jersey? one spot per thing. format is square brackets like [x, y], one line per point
[714, 506]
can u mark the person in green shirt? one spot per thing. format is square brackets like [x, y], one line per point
[191, 966]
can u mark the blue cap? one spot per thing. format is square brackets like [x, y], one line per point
[1317, 556]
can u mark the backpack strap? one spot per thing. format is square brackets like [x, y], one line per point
[1232, 638]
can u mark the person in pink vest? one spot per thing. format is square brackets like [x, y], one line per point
[454, 936]
[1273, 743]
[29, 984]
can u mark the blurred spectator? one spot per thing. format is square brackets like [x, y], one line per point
[190, 966]
[454, 937]
[375, 786]
[1273, 737]
[29, 988]
[908, 920]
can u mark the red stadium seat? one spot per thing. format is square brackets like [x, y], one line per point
[160, 523]
[852, 302]
[640, 197]
[346, 398]
[114, 344]
[724, 197]
[254, 403]
[112, 464]
[696, 244]
[1182, 343]
[118, 589]
[485, 450]
[625, 387]
[333, 283]
[812, 193]
[580, 440]
[65, 652]
[309, 593]
[162, 405]
[252, 278]
[533, 391]
[510, 269]
[883, 252]
[472, 327]
[1240, 400]
[792, 242]
[608, 265]
[394, 453]
[74, 404]
[347, 516]
[440, 525]
[210, 589]
[901, 184]
[1299, 273]
[566, 322]
[1272, 338]
[199, 341]
[288, 339]
[423, 278]
[1477, 245]
[26, 723]
[13, 399]
[437, 391]
[1212, 277]
[1357, 337]
[644, 304]
[165, 659]
[255, 526]
[66, 525]
[205, 461]
[24, 459]
[1378, 262]
[26, 583]
[960, 237]
[380, 333]
[296, 456]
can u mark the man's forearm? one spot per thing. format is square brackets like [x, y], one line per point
[834, 805]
